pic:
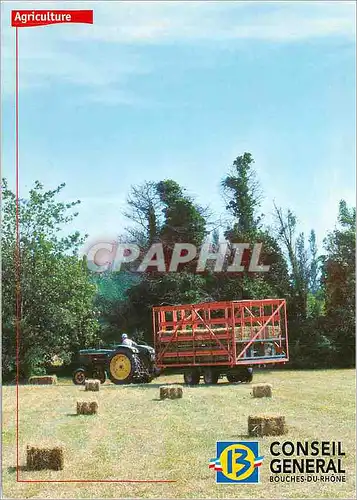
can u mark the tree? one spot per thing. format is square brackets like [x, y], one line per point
[243, 194]
[184, 221]
[315, 298]
[165, 289]
[314, 264]
[339, 279]
[143, 208]
[55, 310]
[175, 218]
[294, 245]
[305, 266]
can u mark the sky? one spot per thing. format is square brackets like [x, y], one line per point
[156, 90]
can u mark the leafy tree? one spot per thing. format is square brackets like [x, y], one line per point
[177, 220]
[144, 209]
[314, 264]
[243, 194]
[184, 221]
[339, 279]
[166, 289]
[294, 245]
[315, 297]
[54, 295]
[112, 289]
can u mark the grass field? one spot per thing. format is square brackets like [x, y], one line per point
[137, 436]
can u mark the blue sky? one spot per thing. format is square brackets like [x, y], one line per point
[178, 90]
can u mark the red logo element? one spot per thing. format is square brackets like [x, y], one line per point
[29, 18]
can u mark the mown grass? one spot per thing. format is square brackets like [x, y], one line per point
[136, 436]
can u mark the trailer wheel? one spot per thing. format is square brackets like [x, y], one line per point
[121, 367]
[79, 376]
[192, 377]
[210, 376]
[243, 375]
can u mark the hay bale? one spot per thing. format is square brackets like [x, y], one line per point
[170, 392]
[266, 425]
[87, 407]
[44, 458]
[43, 380]
[262, 390]
[92, 385]
[164, 392]
[249, 331]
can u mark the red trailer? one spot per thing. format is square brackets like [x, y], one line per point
[220, 338]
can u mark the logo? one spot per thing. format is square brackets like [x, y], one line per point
[237, 462]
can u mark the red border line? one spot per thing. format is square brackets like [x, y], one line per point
[17, 247]
[84, 481]
[18, 312]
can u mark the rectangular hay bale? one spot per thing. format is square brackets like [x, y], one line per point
[87, 407]
[266, 425]
[92, 385]
[170, 392]
[44, 458]
[262, 390]
[43, 380]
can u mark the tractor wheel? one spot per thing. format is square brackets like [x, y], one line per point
[99, 374]
[248, 375]
[192, 377]
[146, 379]
[122, 367]
[210, 376]
[79, 376]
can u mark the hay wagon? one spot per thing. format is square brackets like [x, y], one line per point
[220, 338]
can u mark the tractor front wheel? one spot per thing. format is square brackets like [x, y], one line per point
[122, 367]
[79, 376]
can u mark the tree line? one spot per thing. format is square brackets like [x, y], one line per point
[62, 306]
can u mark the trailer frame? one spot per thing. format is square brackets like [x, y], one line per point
[220, 334]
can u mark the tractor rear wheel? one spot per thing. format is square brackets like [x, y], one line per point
[192, 377]
[248, 375]
[79, 376]
[210, 376]
[122, 367]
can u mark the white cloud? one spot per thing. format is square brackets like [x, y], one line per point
[159, 22]
[108, 53]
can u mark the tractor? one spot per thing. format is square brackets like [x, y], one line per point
[121, 363]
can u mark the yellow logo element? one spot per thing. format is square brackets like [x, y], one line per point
[237, 462]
